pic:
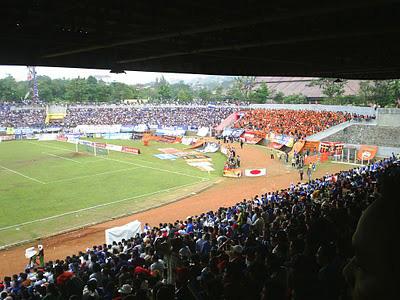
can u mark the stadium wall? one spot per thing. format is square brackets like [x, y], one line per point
[388, 117]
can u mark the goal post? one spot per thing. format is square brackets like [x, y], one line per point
[90, 147]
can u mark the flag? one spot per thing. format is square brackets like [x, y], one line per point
[255, 172]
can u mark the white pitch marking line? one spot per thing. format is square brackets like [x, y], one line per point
[26, 176]
[92, 175]
[58, 156]
[96, 206]
[153, 168]
[51, 147]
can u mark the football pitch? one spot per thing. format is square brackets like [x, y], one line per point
[46, 187]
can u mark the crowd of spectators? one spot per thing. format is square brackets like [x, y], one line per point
[296, 123]
[21, 116]
[288, 244]
[130, 115]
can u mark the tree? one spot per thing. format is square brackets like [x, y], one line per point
[8, 89]
[331, 87]
[163, 89]
[244, 84]
[204, 94]
[279, 97]
[295, 99]
[261, 94]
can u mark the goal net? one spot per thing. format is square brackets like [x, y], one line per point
[90, 147]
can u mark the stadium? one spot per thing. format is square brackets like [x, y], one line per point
[230, 187]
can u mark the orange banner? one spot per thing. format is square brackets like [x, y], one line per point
[367, 152]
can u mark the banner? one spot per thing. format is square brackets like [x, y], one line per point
[47, 136]
[251, 137]
[7, 137]
[331, 147]
[126, 232]
[10, 130]
[62, 138]
[117, 136]
[170, 132]
[100, 145]
[235, 132]
[131, 150]
[281, 139]
[203, 131]
[255, 172]
[97, 129]
[367, 152]
[114, 147]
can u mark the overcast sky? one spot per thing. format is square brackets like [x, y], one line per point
[131, 77]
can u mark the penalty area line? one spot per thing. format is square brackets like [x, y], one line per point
[92, 175]
[153, 168]
[60, 157]
[98, 206]
[23, 175]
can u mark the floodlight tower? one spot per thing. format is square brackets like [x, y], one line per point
[33, 85]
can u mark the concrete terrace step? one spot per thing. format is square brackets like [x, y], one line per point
[334, 129]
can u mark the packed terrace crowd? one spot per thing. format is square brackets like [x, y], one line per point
[168, 116]
[288, 244]
[282, 121]
[296, 123]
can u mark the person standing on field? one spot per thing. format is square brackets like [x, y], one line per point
[301, 173]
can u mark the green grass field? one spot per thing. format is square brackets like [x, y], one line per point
[46, 187]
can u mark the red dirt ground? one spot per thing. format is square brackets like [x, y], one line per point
[228, 192]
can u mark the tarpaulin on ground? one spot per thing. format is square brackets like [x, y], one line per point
[126, 232]
[233, 173]
[251, 137]
[202, 165]
[186, 140]
[228, 121]
[203, 131]
[367, 152]
[255, 172]
[197, 144]
[168, 150]
[209, 148]
[166, 156]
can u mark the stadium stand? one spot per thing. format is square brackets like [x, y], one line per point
[288, 244]
[298, 124]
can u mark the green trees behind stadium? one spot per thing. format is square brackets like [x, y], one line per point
[242, 88]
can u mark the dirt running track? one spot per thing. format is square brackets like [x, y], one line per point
[228, 192]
